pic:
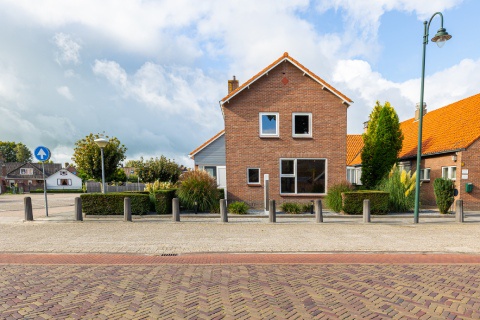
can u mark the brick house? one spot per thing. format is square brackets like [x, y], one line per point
[450, 149]
[288, 123]
[26, 175]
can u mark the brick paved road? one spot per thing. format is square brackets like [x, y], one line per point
[236, 287]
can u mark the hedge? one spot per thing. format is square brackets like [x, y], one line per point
[353, 201]
[58, 191]
[112, 203]
[162, 201]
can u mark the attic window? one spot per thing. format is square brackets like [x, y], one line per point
[268, 122]
[302, 125]
[26, 171]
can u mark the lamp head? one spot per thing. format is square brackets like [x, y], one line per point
[101, 142]
[441, 37]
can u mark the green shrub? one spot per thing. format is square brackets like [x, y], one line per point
[158, 185]
[238, 207]
[291, 207]
[353, 202]
[444, 195]
[401, 187]
[307, 207]
[333, 200]
[112, 203]
[198, 186]
[162, 201]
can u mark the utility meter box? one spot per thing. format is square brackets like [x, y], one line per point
[469, 187]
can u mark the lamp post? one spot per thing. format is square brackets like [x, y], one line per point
[440, 38]
[102, 143]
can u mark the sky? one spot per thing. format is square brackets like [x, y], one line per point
[151, 73]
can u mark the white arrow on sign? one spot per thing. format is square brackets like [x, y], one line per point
[41, 154]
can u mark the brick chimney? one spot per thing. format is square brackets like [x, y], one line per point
[365, 126]
[232, 84]
[417, 110]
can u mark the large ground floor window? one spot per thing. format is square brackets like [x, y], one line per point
[303, 176]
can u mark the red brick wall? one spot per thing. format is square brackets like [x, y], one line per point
[470, 160]
[245, 149]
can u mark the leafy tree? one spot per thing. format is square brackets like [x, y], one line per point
[161, 169]
[22, 153]
[87, 157]
[382, 143]
[444, 194]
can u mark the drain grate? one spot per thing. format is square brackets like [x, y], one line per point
[169, 254]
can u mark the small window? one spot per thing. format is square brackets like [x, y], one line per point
[253, 175]
[211, 170]
[26, 171]
[449, 173]
[64, 182]
[351, 175]
[425, 174]
[302, 125]
[268, 124]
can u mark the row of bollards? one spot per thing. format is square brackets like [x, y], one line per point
[272, 214]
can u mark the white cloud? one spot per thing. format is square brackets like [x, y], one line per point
[112, 71]
[65, 92]
[69, 50]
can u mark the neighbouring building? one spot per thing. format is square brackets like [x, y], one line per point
[27, 176]
[63, 180]
[284, 122]
[450, 149]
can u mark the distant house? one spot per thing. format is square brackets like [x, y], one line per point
[27, 175]
[63, 179]
[450, 149]
[284, 122]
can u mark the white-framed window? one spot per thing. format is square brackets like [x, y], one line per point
[425, 174]
[26, 171]
[211, 170]
[303, 176]
[301, 125]
[269, 124]
[64, 182]
[253, 175]
[358, 176]
[449, 172]
[405, 165]
[351, 175]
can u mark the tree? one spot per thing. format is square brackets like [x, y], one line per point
[22, 153]
[382, 143]
[87, 157]
[161, 169]
[14, 152]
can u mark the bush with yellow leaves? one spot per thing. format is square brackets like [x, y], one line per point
[400, 184]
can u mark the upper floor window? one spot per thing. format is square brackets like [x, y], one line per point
[302, 125]
[26, 171]
[449, 173]
[269, 124]
[425, 174]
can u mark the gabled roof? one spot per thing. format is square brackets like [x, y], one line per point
[205, 144]
[451, 128]
[306, 71]
[354, 149]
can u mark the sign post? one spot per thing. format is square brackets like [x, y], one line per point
[43, 154]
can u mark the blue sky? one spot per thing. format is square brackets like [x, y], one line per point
[152, 72]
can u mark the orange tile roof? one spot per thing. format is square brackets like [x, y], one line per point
[354, 148]
[206, 143]
[453, 127]
[298, 65]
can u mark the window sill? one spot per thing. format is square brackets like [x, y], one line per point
[302, 137]
[270, 137]
[254, 185]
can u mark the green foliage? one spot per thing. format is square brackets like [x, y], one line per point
[14, 152]
[132, 178]
[444, 195]
[162, 169]
[152, 188]
[238, 207]
[307, 207]
[353, 202]
[401, 187]
[112, 203]
[291, 207]
[382, 143]
[87, 157]
[198, 186]
[162, 200]
[333, 200]
[119, 175]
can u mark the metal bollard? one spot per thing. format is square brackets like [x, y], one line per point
[272, 213]
[459, 216]
[175, 210]
[223, 210]
[127, 209]
[78, 209]
[366, 211]
[318, 211]
[28, 209]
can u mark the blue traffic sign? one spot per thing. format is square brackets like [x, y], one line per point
[42, 153]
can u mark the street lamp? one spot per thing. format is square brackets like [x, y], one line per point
[440, 38]
[102, 143]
